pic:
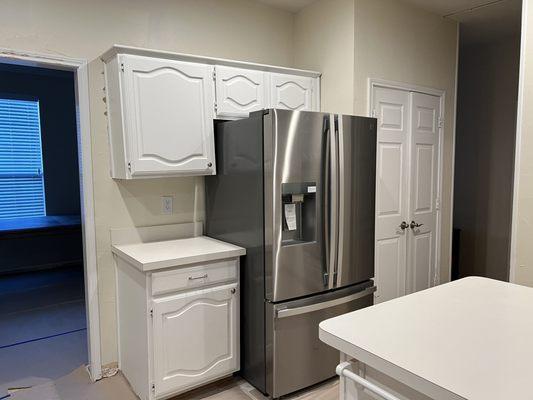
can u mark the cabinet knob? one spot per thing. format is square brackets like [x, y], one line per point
[233, 291]
[209, 164]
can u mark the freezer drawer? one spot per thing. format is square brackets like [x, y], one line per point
[296, 358]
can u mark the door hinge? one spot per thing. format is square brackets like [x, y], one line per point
[441, 123]
[437, 203]
[151, 313]
[129, 166]
[215, 107]
[153, 387]
[373, 114]
[122, 66]
[214, 74]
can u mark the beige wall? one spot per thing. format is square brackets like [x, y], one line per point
[522, 253]
[350, 42]
[485, 145]
[238, 29]
[324, 41]
[396, 41]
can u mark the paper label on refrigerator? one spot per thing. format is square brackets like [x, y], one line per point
[290, 216]
[311, 189]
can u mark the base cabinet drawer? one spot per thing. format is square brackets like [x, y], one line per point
[194, 277]
[195, 337]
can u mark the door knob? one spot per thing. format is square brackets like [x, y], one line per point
[415, 225]
[404, 225]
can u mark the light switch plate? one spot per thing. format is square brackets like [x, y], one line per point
[166, 205]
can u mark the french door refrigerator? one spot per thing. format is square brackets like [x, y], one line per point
[297, 190]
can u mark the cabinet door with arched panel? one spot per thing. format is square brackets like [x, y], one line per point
[240, 91]
[293, 92]
[168, 116]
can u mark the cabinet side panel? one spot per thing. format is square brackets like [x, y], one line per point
[115, 126]
[234, 213]
[133, 335]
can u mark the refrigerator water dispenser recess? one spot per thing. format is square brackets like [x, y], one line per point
[298, 213]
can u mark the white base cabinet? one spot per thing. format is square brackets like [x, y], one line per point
[179, 327]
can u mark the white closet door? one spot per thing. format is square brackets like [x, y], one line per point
[293, 92]
[169, 113]
[240, 91]
[423, 190]
[391, 108]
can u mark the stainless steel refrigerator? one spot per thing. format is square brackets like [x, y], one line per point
[297, 190]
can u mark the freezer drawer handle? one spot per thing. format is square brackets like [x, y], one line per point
[289, 312]
[343, 371]
[197, 277]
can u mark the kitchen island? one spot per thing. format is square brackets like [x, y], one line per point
[468, 339]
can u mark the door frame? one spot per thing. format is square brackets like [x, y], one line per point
[513, 253]
[374, 83]
[81, 80]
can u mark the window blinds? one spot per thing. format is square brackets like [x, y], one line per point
[21, 166]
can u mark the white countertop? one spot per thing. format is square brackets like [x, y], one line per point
[171, 253]
[472, 339]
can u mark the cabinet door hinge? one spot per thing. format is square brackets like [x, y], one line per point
[214, 74]
[122, 66]
[153, 387]
[151, 313]
[373, 114]
[215, 107]
[441, 123]
[129, 166]
[437, 203]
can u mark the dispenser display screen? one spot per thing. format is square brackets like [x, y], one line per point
[299, 217]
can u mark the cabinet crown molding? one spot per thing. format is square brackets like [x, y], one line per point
[139, 51]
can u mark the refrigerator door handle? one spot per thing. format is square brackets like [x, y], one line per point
[341, 199]
[291, 312]
[334, 206]
[326, 211]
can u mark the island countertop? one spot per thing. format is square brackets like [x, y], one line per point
[468, 339]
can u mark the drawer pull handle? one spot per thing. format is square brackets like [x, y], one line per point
[198, 277]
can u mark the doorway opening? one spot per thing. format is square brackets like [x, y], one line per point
[487, 97]
[43, 330]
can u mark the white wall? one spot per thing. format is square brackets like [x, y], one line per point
[238, 29]
[324, 41]
[399, 42]
[486, 122]
[522, 251]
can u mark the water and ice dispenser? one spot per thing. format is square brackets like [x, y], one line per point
[299, 212]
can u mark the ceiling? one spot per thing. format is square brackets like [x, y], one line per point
[289, 5]
[447, 7]
[481, 20]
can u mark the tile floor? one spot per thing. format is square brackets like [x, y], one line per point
[42, 325]
[76, 386]
[239, 389]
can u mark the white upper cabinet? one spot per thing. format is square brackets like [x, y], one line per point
[294, 92]
[240, 91]
[161, 106]
[163, 121]
[170, 107]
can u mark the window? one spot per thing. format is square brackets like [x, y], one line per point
[21, 165]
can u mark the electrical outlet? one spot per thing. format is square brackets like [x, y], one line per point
[166, 205]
